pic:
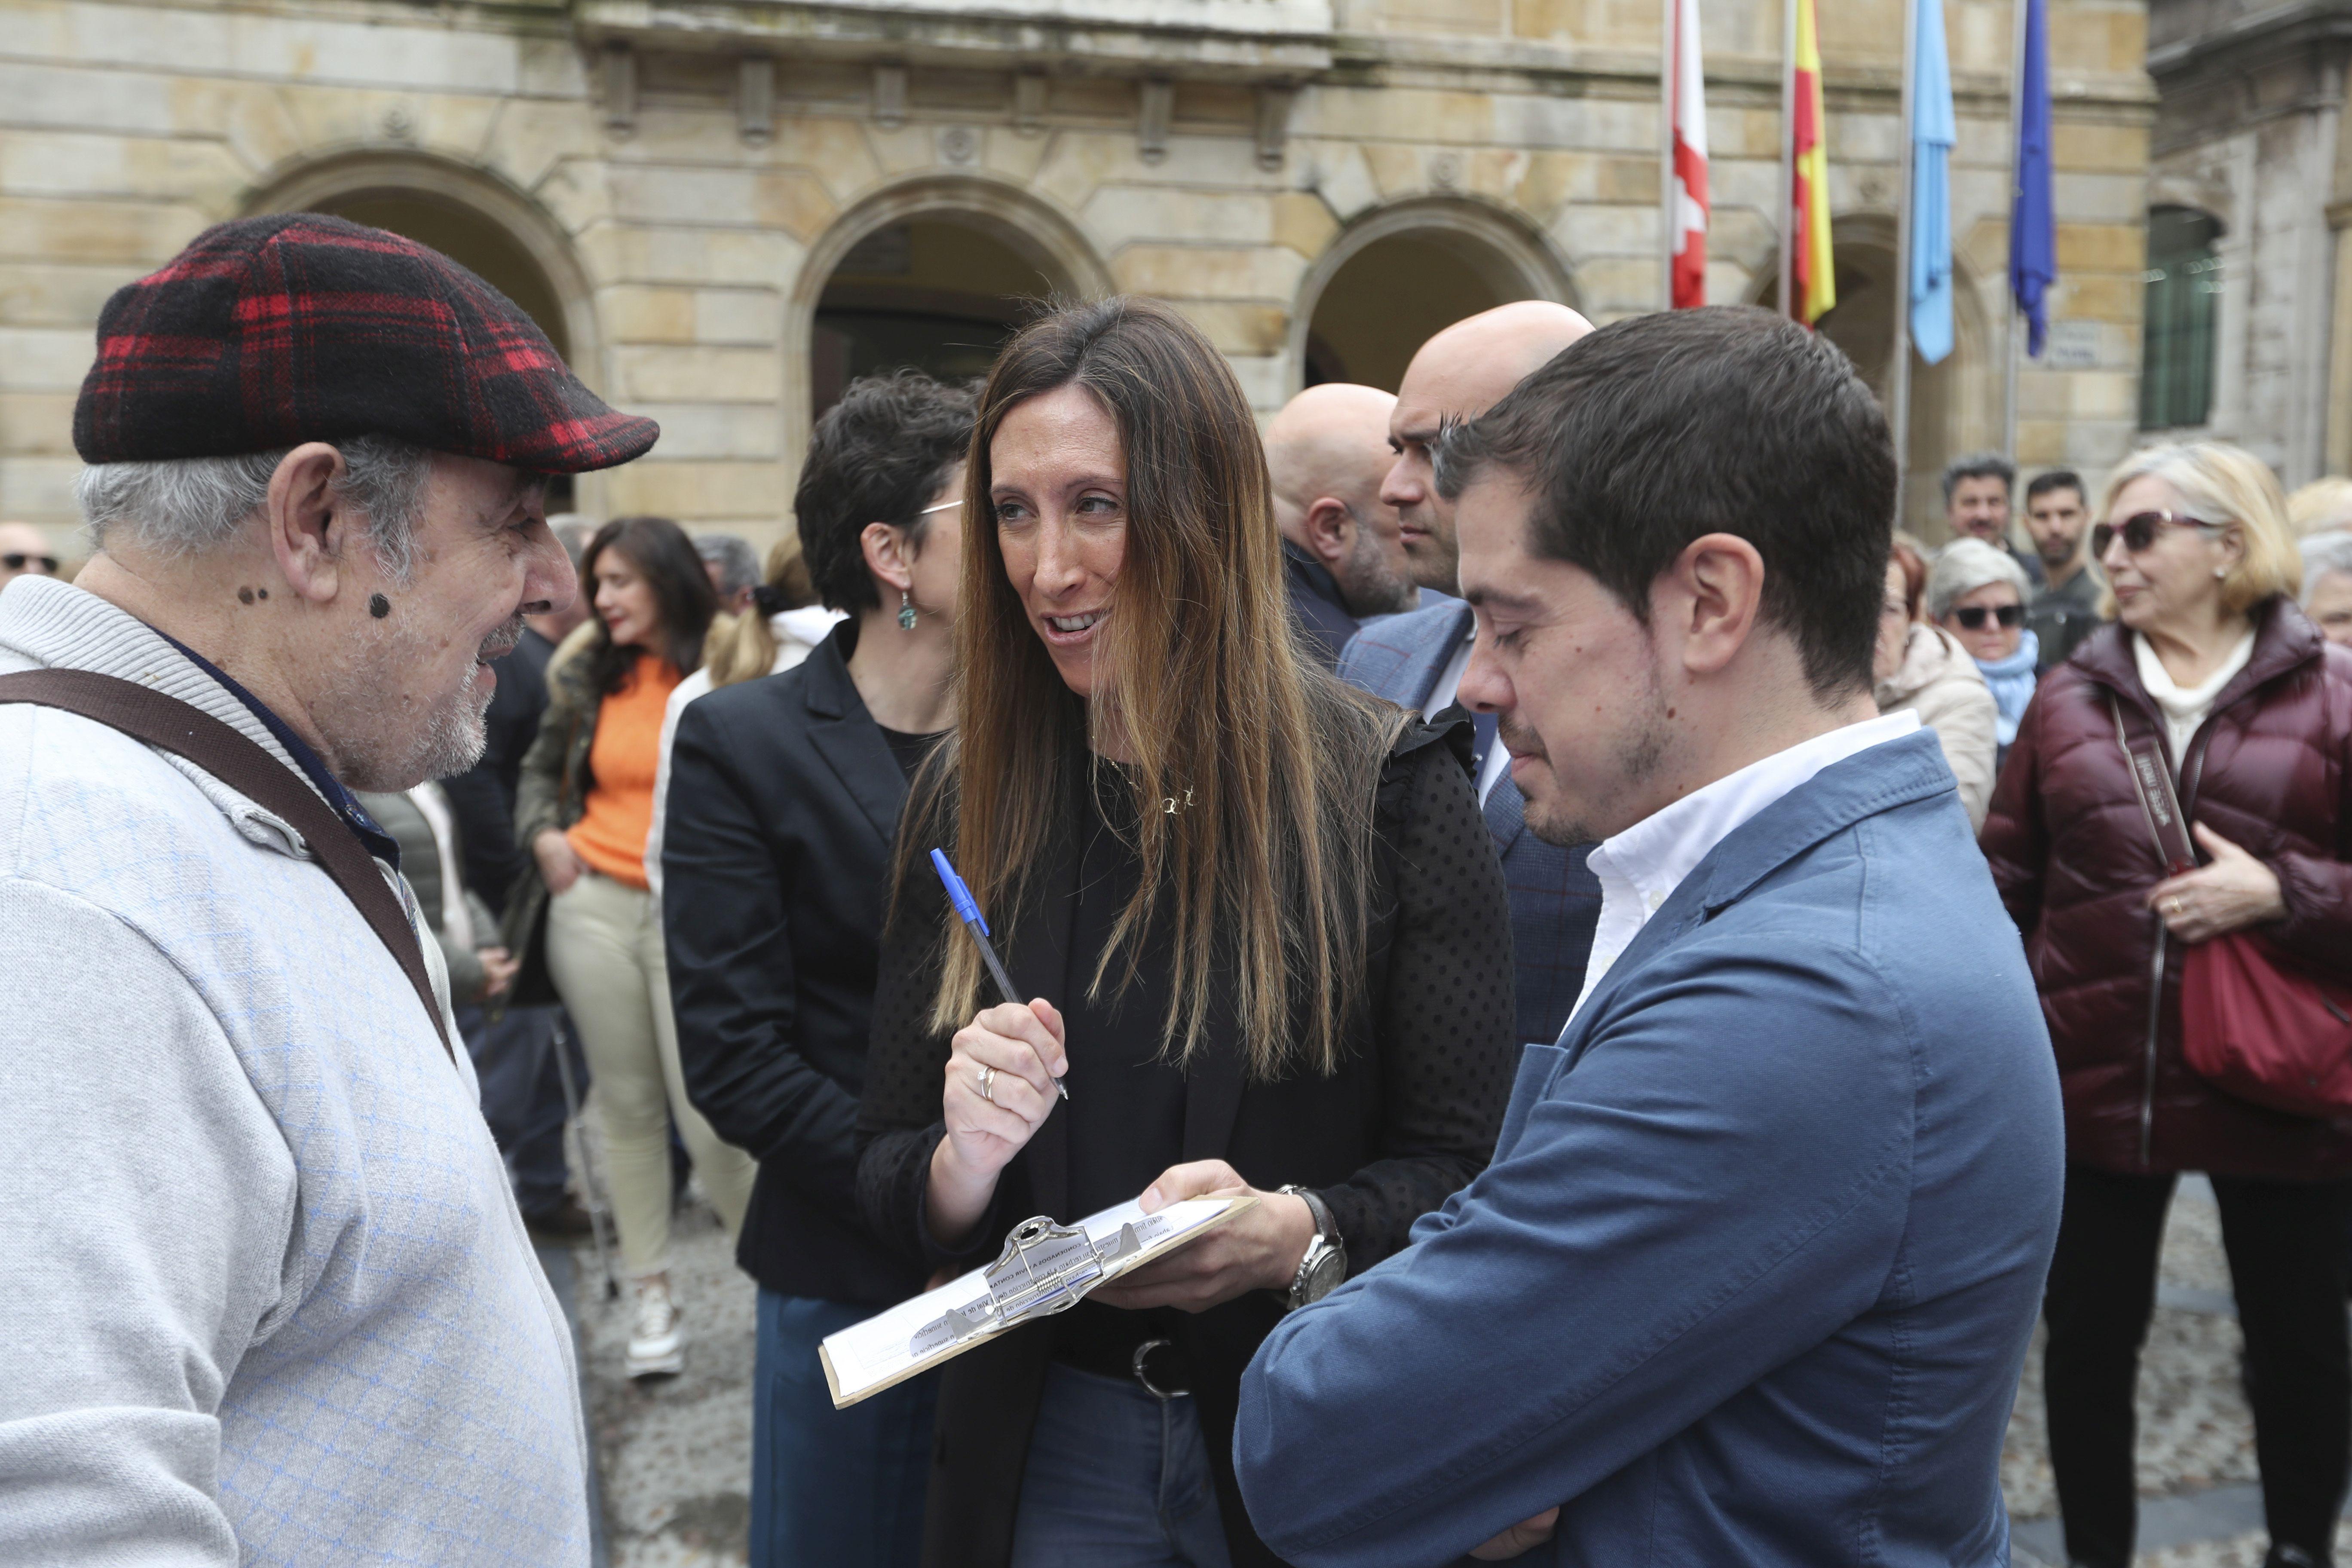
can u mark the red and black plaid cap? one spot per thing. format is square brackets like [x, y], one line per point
[270, 331]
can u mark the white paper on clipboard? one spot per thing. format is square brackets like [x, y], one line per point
[865, 1358]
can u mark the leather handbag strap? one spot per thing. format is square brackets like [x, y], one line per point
[171, 725]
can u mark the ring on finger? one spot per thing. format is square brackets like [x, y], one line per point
[988, 1083]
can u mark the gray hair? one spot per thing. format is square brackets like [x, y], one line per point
[738, 568]
[186, 505]
[1965, 565]
[2324, 553]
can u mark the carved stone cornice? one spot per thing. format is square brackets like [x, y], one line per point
[1229, 40]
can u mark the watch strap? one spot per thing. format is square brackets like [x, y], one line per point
[1327, 1230]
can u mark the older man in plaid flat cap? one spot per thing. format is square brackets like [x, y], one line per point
[268, 1298]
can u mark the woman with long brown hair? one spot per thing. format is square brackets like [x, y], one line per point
[1264, 909]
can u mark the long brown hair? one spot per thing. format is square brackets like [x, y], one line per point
[1254, 771]
[664, 555]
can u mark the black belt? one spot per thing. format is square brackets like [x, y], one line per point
[1117, 1344]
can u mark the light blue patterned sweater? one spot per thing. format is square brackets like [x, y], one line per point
[267, 1298]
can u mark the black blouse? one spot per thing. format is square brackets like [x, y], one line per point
[1408, 1118]
[1437, 1036]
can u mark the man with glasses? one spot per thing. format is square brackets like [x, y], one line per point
[2065, 609]
[24, 549]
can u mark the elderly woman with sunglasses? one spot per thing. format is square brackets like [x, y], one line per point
[1977, 594]
[2212, 664]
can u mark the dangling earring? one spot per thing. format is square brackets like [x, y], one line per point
[905, 612]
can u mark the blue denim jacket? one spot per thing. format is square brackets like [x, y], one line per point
[1751, 1275]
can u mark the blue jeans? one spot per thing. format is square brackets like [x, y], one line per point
[832, 1488]
[1116, 1479]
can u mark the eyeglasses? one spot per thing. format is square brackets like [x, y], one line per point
[18, 560]
[2140, 529]
[1972, 619]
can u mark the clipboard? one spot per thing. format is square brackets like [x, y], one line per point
[1045, 1267]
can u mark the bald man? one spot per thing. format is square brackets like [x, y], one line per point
[1343, 553]
[1416, 660]
[1459, 374]
[25, 549]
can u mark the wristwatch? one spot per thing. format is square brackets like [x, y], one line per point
[1325, 1263]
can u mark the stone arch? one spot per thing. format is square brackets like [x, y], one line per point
[1954, 404]
[1006, 218]
[1481, 255]
[480, 220]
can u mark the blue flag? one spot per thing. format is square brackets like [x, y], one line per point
[2033, 219]
[1933, 132]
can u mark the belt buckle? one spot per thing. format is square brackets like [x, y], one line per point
[1142, 1375]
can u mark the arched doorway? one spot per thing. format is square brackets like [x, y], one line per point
[479, 223]
[1394, 279]
[931, 273]
[1945, 414]
[936, 293]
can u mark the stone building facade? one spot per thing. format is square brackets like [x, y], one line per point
[2251, 183]
[722, 208]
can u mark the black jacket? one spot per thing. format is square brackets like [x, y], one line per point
[783, 801]
[1323, 617]
[482, 798]
[1409, 1117]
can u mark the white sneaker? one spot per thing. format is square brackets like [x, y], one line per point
[657, 1345]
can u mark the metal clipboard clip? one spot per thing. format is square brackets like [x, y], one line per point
[1044, 1269]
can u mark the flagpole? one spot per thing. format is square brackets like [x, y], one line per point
[1899, 383]
[1667, 64]
[2008, 345]
[1786, 223]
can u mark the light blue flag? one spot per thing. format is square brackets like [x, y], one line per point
[1933, 132]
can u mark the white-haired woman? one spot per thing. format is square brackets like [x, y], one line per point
[2327, 585]
[1977, 594]
[2211, 662]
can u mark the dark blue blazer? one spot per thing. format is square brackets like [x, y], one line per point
[1555, 897]
[1322, 615]
[1751, 1275]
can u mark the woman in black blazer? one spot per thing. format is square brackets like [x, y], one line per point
[784, 795]
[1262, 918]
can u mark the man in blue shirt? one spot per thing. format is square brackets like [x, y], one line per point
[1750, 1277]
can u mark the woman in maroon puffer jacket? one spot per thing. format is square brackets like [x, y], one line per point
[2254, 712]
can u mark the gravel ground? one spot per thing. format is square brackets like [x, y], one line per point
[675, 1454]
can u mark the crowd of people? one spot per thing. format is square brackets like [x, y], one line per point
[1541, 834]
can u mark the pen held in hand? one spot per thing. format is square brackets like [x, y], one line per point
[968, 911]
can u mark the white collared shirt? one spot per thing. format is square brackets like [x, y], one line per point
[1641, 868]
[1442, 697]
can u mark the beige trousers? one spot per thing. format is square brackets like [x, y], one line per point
[604, 952]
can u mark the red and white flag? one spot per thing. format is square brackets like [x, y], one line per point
[1689, 193]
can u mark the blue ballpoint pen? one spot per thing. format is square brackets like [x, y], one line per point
[961, 895]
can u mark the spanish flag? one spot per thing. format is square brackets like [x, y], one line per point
[1812, 278]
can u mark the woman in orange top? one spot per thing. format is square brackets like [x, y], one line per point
[583, 805]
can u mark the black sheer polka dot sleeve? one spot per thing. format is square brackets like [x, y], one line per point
[899, 1115]
[1444, 1025]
